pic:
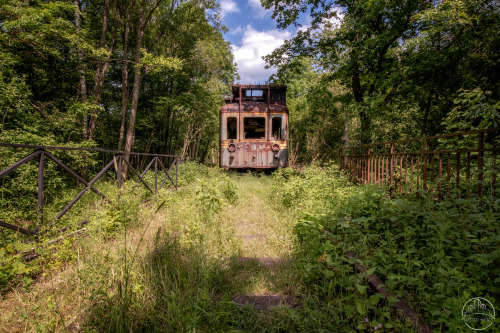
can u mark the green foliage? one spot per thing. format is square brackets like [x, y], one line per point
[189, 171]
[158, 64]
[209, 196]
[397, 66]
[305, 190]
[316, 111]
[19, 189]
[213, 192]
[165, 266]
[473, 110]
[228, 188]
[50, 72]
[12, 265]
[412, 243]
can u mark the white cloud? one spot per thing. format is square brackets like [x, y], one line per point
[237, 31]
[227, 7]
[259, 11]
[256, 44]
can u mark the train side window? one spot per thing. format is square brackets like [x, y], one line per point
[276, 128]
[232, 125]
[254, 127]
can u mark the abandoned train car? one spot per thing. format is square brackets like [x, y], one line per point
[254, 128]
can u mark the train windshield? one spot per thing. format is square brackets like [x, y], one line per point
[276, 128]
[254, 93]
[254, 127]
[231, 128]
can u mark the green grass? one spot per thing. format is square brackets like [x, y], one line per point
[171, 263]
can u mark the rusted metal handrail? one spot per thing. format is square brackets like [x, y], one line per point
[428, 167]
[99, 150]
[117, 161]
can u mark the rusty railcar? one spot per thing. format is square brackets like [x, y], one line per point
[254, 128]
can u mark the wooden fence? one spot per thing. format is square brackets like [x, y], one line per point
[456, 164]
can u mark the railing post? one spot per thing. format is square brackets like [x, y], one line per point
[41, 166]
[440, 185]
[392, 168]
[156, 174]
[119, 173]
[411, 173]
[368, 167]
[119, 176]
[448, 175]
[480, 163]
[176, 170]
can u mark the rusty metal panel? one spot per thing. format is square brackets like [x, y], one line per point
[260, 151]
[255, 154]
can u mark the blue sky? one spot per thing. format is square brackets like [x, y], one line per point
[252, 34]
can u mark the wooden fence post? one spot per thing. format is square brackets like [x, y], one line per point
[41, 166]
[368, 167]
[392, 169]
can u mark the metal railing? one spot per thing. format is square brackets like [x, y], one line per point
[118, 160]
[428, 164]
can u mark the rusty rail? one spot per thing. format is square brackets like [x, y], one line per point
[428, 164]
[379, 286]
[116, 161]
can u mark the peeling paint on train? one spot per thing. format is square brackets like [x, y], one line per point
[254, 127]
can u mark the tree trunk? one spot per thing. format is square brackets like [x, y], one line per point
[187, 141]
[81, 70]
[363, 116]
[129, 141]
[125, 75]
[197, 146]
[102, 66]
[346, 130]
[428, 105]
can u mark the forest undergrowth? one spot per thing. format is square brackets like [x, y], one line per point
[165, 262]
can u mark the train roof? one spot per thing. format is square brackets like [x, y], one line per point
[236, 86]
[272, 95]
[251, 106]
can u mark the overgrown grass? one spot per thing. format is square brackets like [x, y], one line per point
[145, 268]
[170, 263]
[434, 255]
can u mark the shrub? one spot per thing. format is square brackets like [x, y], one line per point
[413, 243]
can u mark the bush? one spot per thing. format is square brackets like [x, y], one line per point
[189, 171]
[413, 243]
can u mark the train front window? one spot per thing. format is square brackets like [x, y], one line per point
[254, 93]
[276, 128]
[255, 127]
[232, 125]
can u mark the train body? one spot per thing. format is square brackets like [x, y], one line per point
[254, 128]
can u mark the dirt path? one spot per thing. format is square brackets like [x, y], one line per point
[264, 265]
[249, 239]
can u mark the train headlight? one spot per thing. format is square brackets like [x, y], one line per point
[276, 147]
[231, 147]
